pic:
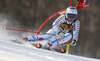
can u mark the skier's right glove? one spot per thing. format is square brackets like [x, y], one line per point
[62, 35]
[73, 43]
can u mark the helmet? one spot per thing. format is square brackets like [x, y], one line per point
[71, 12]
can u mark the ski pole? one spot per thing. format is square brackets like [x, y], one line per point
[49, 34]
[19, 30]
[28, 31]
[67, 48]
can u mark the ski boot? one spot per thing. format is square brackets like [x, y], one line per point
[26, 39]
[38, 45]
[63, 50]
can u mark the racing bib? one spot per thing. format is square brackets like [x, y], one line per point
[66, 26]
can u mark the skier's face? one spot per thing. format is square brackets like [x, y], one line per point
[71, 19]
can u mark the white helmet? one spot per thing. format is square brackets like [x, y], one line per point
[72, 11]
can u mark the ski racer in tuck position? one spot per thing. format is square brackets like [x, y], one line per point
[66, 25]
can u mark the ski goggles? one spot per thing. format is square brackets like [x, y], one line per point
[71, 15]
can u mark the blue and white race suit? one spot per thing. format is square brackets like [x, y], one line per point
[60, 24]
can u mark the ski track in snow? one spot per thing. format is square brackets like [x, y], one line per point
[15, 52]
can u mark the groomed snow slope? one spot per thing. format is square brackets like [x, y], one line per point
[16, 52]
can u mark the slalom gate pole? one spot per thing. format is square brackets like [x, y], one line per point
[80, 5]
[71, 2]
[67, 47]
[48, 20]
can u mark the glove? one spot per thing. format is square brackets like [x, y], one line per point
[73, 43]
[26, 39]
[62, 35]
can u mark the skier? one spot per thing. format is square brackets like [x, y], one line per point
[66, 25]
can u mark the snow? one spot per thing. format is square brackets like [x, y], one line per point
[15, 52]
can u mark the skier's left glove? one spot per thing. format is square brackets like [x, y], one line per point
[62, 35]
[73, 43]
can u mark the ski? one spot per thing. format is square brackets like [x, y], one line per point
[58, 48]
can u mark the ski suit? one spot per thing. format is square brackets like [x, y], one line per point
[60, 24]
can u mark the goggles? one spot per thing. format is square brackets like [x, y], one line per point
[71, 15]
